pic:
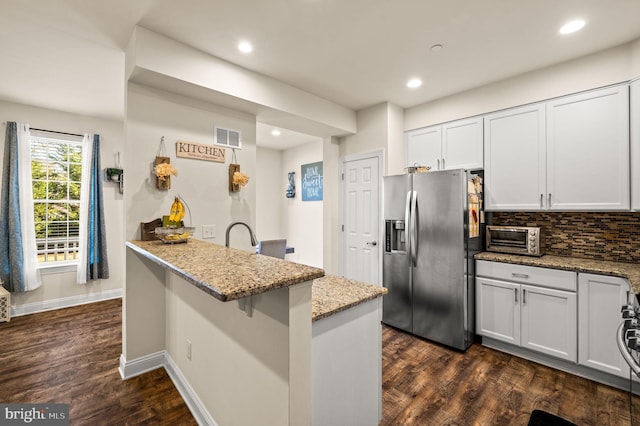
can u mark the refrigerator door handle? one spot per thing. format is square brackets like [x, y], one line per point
[414, 228]
[407, 226]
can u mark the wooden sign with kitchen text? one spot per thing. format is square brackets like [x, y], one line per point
[200, 151]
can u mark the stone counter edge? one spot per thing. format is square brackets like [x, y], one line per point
[629, 271]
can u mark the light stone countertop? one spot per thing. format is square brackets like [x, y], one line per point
[225, 273]
[332, 294]
[630, 271]
[229, 274]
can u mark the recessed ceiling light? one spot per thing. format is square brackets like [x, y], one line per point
[245, 47]
[572, 26]
[436, 47]
[414, 83]
[275, 132]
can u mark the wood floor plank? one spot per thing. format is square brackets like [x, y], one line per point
[485, 387]
[71, 356]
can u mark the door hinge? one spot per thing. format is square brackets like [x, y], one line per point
[342, 228]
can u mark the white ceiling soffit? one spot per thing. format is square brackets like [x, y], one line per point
[287, 139]
[158, 61]
[359, 53]
[69, 54]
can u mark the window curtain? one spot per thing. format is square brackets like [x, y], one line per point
[93, 264]
[19, 267]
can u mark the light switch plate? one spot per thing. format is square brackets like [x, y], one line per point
[208, 231]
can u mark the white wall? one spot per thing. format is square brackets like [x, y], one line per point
[379, 127]
[271, 184]
[372, 131]
[331, 206]
[302, 221]
[151, 114]
[57, 289]
[635, 59]
[394, 163]
[600, 69]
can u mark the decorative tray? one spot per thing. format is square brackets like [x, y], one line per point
[174, 235]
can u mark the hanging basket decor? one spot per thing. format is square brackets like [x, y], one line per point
[237, 179]
[163, 171]
[162, 167]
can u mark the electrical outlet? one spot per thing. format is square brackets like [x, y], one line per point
[208, 231]
[188, 349]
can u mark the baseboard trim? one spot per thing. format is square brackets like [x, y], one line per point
[133, 368]
[65, 302]
[197, 408]
[162, 359]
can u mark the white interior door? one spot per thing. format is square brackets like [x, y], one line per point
[362, 245]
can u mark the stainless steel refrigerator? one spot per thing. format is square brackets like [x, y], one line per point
[433, 227]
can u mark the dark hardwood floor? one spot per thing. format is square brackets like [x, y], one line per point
[71, 356]
[427, 384]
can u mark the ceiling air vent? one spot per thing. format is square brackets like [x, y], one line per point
[227, 137]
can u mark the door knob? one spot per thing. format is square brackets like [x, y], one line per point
[372, 243]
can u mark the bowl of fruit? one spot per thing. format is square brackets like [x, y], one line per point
[174, 235]
[173, 230]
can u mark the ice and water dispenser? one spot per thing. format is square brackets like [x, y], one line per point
[394, 237]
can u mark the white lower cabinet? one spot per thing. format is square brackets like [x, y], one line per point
[498, 310]
[599, 317]
[549, 322]
[567, 315]
[515, 304]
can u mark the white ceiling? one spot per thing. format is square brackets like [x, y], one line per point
[69, 54]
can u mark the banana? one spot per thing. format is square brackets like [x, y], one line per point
[180, 214]
[177, 210]
[174, 210]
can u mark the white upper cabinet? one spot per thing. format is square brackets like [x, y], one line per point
[454, 145]
[424, 147]
[635, 145]
[515, 158]
[462, 144]
[571, 153]
[588, 151]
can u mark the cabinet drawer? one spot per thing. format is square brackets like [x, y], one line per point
[544, 277]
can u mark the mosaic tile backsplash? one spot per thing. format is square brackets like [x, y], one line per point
[602, 236]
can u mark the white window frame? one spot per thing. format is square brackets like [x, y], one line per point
[69, 264]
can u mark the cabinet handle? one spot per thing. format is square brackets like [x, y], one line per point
[541, 198]
[549, 201]
[513, 274]
[443, 166]
[516, 293]
[524, 296]
[438, 164]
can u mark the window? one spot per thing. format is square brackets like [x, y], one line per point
[56, 171]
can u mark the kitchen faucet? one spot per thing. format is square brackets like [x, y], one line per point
[254, 240]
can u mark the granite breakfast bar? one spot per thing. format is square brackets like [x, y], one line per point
[234, 330]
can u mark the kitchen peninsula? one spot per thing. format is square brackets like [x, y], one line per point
[234, 331]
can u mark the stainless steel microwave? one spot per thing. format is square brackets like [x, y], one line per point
[526, 240]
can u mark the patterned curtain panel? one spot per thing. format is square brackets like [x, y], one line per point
[18, 256]
[93, 238]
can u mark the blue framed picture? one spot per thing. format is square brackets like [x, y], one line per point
[311, 178]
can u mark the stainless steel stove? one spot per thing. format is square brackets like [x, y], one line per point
[629, 334]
